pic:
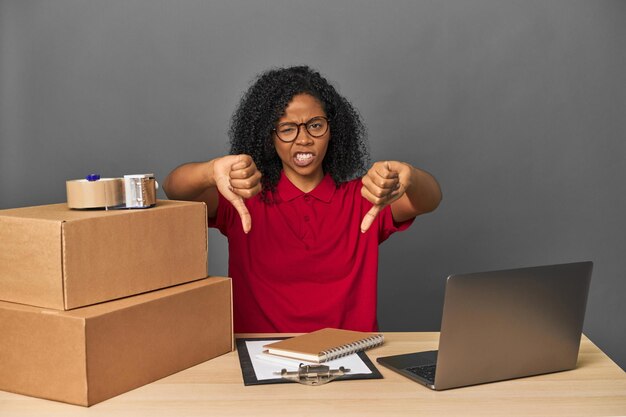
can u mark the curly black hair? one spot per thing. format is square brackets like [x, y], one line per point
[265, 102]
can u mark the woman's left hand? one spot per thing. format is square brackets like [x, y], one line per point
[384, 183]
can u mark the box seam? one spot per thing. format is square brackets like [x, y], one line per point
[232, 318]
[183, 291]
[63, 273]
[206, 228]
[86, 380]
[206, 238]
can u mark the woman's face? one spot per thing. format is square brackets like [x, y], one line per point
[302, 158]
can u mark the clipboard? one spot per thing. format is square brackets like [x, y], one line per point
[250, 378]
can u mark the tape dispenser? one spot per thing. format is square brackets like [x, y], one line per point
[136, 191]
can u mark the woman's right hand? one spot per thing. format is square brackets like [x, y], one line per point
[236, 178]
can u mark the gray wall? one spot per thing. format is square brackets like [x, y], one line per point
[517, 107]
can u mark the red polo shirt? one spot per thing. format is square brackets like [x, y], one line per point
[305, 264]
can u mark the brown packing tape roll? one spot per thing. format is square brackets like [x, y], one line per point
[149, 191]
[105, 192]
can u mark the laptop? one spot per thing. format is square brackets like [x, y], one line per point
[502, 325]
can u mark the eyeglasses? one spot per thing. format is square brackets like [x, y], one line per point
[288, 132]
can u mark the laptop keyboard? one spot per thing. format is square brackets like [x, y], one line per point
[425, 371]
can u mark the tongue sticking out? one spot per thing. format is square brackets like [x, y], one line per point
[303, 159]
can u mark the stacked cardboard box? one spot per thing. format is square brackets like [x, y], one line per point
[91, 302]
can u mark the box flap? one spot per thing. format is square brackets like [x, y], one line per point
[51, 212]
[30, 258]
[92, 353]
[42, 353]
[60, 212]
[168, 331]
[111, 256]
[102, 309]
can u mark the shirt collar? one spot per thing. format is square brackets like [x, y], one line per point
[323, 192]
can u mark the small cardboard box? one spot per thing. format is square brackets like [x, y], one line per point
[55, 257]
[90, 354]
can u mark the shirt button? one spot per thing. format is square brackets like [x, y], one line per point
[306, 218]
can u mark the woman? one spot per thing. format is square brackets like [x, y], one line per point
[303, 233]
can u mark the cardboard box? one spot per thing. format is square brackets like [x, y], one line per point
[90, 354]
[52, 256]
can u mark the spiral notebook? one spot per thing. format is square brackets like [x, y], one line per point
[324, 345]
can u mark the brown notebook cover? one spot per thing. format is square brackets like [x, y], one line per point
[324, 345]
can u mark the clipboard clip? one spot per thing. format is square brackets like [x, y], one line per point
[313, 374]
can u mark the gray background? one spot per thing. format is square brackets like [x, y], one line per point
[517, 107]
